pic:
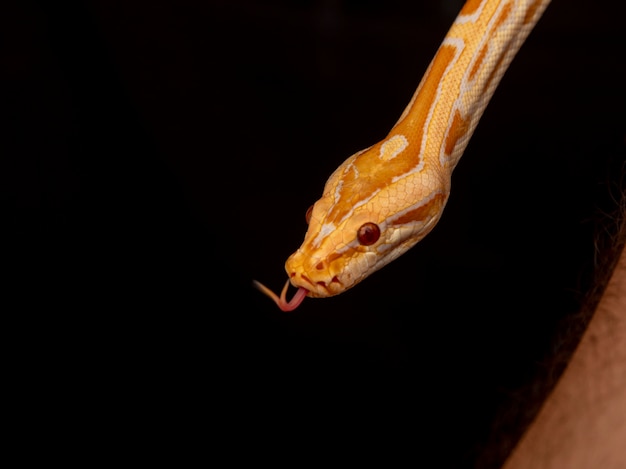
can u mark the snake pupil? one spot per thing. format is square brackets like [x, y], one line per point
[368, 234]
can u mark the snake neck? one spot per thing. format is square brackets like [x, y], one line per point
[461, 79]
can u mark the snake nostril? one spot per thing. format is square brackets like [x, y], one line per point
[335, 280]
[320, 266]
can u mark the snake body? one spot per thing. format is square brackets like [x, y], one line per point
[382, 200]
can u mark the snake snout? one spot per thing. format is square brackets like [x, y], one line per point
[319, 287]
[313, 273]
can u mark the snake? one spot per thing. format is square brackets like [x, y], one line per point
[384, 199]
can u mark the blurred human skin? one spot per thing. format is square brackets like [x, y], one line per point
[582, 424]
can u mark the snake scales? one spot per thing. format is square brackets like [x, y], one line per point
[384, 199]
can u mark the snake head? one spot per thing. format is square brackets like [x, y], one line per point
[365, 220]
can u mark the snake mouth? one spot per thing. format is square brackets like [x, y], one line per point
[319, 288]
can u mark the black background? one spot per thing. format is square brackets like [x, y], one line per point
[158, 155]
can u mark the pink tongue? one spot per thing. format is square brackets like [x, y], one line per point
[281, 301]
[295, 301]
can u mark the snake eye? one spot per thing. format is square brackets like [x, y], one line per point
[307, 216]
[368, 234]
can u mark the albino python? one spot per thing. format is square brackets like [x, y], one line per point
[383, 200]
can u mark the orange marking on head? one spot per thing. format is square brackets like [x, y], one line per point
[458, 128]
[422, 212]
[333, 257]
[470, 7]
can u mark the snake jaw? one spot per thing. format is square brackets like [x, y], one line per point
[281, 301]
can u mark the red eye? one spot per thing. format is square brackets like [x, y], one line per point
[307, 216]
[368, 234]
